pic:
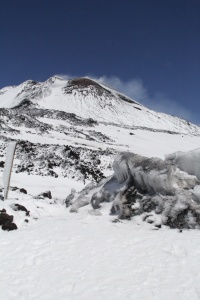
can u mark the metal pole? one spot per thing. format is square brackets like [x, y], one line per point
[8, 166]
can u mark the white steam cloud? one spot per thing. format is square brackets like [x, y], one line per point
[135, 89]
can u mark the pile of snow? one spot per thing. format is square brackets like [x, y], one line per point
[186, 161]
[155, 189]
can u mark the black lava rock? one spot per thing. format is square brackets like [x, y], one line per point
[17, 206]
[2, 164]
[14, 188]
[6, 221]
[23, 191]
[5, 218]
[8, 226]
[46, 194]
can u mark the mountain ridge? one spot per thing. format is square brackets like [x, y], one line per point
[87, 98]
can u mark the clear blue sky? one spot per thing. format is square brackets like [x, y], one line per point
[154, 42]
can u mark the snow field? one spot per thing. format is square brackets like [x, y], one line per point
[81, 256]
[142, 142]
[59, 255]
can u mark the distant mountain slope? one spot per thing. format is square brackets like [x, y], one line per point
[89, 99]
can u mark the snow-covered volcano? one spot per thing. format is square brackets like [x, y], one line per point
[67, 134]
[73, 128]
[89, 99]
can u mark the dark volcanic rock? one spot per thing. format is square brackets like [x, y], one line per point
[84, 83]
[43, 195]
[2, 164]
[17, 207]
[4, 218]
[14, 188]
[23, 191]
[8, 226]
[73, 162]
[6, 221]
[47, 194]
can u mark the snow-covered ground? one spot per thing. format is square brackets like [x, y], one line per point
[58, 255]
[84, 256]
[87, 257]
[140, 141]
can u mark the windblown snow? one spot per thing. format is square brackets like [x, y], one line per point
[68, 133]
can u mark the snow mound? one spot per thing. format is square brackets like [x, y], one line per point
[186, 161]
[152, 188]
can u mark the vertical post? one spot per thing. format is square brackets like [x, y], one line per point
[8, 166]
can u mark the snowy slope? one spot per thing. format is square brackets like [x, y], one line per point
[88, 99]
